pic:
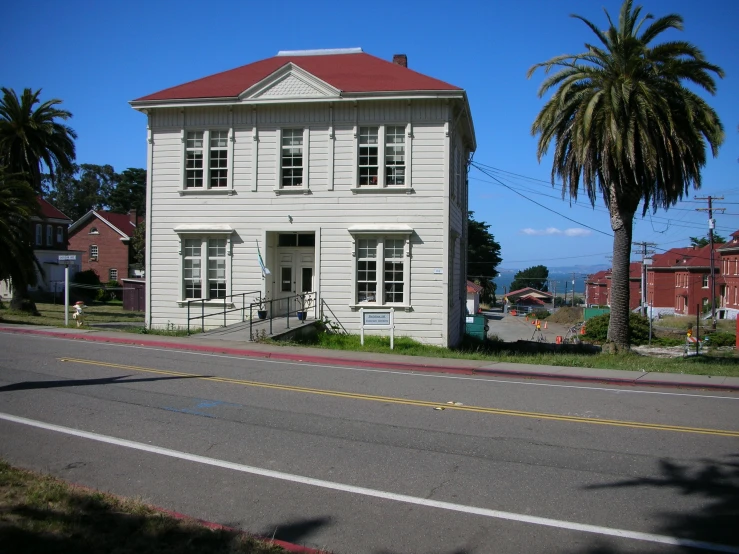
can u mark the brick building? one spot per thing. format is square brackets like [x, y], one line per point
[104, 238]
[598, 287]
[728, 288]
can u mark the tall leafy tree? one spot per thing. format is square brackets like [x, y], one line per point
[700, 242]
[129, 192]
[80, 189]
[535, 277]
[33, 138]
[626, 125]
[483, 257]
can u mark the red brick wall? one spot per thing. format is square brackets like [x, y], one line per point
[661, 288]
[112, 252]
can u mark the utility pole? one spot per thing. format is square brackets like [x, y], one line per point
[711, 225]
[645, 261]
[573, 289]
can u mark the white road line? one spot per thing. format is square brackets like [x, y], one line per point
[396, 371]
[559, 524]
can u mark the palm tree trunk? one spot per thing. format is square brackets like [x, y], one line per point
[618, 328]
[20, 300]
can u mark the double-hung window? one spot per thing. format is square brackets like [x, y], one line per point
[368, 156]
[382, 158]
[291, 163]
[39, 234]
[60, 235]
[49, 235]
[206, 160]
[93, 252]
[394, 156]
[204, 267]
[381, 270]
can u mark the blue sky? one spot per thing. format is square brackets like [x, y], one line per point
[96, 56]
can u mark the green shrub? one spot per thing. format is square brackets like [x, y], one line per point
[596, 329]
[722, 339]
[88, 277]
[541, 314]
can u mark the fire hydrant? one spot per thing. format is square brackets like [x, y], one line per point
[79, 315]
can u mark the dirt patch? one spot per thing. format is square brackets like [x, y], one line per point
[566, 316]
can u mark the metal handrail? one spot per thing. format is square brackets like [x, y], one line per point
[304, 300]
[324, 305]
[225, 311]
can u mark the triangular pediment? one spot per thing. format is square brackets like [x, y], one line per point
[290, 81]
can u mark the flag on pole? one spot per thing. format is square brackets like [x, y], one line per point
[265, 271]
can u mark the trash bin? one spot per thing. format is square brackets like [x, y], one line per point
[476, 326]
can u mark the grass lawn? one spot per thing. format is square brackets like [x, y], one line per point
[40, 514]
[53, 314]
[716, 362]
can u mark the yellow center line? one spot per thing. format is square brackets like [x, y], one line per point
[421, 403]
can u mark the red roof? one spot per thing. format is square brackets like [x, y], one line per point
[49, 211]
[473, 288]
[121, 221]
[357, 72]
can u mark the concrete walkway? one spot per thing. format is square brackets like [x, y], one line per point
[214, 344]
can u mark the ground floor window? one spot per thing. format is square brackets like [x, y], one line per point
[382, 272]
[112, 274]
[204, 267]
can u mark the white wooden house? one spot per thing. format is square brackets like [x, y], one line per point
[348, 171]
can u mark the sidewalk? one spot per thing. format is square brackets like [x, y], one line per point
[200, 343]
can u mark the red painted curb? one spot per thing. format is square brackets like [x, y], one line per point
[378, 365]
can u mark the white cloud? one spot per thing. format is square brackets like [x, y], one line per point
[574, 232]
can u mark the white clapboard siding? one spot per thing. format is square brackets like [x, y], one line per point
[256, 213]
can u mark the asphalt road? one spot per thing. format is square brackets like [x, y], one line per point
[359, 460]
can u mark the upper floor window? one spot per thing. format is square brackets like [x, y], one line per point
[93, 251]
[705, 281]
[368, 157]
[60, 235]
[206, 159]
[395, 156]
[291, 165]
[49, 235]
[382, 160]
[94, 231]
[39, 234]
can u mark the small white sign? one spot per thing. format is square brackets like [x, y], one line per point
[469, 319]
[68, 257]
[438, 271]
[372, 319]
[377, 319]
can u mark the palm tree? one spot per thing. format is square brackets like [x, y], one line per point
[18, 203]
[32, 137]
[624, 123]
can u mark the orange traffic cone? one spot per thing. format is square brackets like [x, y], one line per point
[582, 330]
[545, 325]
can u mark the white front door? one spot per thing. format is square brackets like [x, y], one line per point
[295, 275]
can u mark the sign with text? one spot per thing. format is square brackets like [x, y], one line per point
[67, 257]
[377, 319]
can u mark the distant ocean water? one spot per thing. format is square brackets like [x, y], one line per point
[560, 278]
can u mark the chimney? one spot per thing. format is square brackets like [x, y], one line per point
[132, 217]
[401, 60]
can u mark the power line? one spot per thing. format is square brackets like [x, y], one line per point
[537, 203]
